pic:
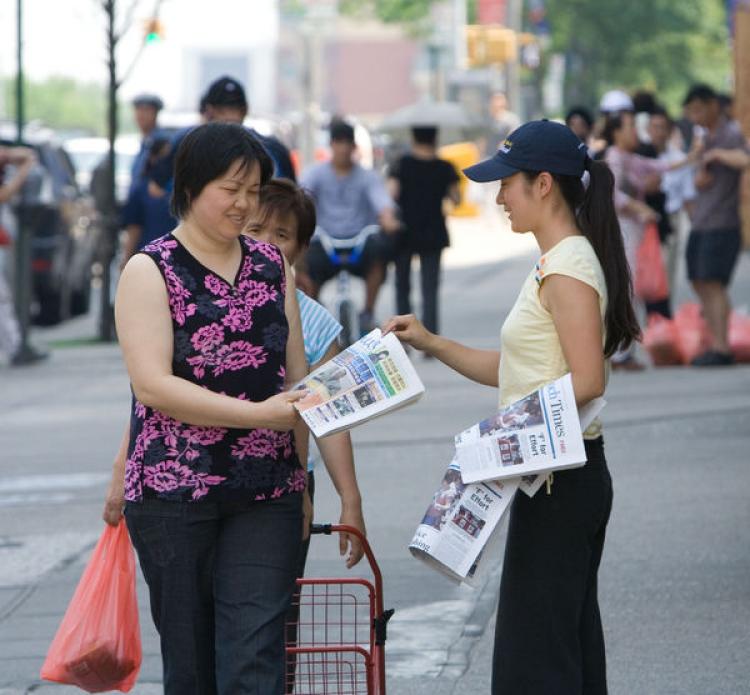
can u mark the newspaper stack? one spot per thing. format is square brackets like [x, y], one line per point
[459, 522]
[370, 378]
[514, 449]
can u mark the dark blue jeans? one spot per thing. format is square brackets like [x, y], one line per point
[548, 637]
[220, 578]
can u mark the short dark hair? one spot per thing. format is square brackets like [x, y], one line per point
[582, 112]
[156, 151]
[284, 197]
[206, 153]
[644, 101]
[340, 130]
[725, 99]
[424, 135]
[700, 92]
[661, 111]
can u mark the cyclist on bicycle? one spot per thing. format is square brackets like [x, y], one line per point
[349, 198]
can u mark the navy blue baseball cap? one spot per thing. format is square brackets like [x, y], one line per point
[535, 146]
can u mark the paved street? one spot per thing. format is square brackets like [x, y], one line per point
[674, 582]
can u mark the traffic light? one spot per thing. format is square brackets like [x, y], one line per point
[490, 44]
[501, 45]
[474, 45]
[153, 30]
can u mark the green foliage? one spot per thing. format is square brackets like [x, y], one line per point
[63, 104]
[411, 13]
[661, 45]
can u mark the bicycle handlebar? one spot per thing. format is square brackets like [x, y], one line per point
[331, 243]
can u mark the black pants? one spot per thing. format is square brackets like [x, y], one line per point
[429, 262]
[549, 639]
[220, 578]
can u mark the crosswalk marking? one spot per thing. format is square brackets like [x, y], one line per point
[26, 557]
[57, 481]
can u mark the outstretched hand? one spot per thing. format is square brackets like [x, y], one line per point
[408, 329]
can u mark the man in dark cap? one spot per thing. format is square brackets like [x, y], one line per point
[225, 102]
[146, 109]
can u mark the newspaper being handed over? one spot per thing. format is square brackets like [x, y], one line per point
[459, 522]
[370, 378]
[537, 434]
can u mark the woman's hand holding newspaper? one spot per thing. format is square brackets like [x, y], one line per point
[409, 329]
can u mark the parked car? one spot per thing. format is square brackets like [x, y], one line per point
[64, 238]
[88, 153]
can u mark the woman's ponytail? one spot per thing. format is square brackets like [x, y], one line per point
[598, 221]
[594, 210]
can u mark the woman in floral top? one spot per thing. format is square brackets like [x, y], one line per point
[209, 327]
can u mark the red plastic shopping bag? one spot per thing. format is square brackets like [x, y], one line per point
[662, 341]
[695, 337]
[650, 283]
[98, 644]
[739, 336]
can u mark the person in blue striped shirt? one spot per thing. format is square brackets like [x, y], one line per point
[286, 218]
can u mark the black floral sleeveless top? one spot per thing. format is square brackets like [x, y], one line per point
[230, 339]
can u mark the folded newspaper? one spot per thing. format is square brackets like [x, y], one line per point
[463, 521]
[540, 433]
[459, 522]
[370, 378]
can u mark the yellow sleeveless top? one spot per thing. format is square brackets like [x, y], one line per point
[530, 350]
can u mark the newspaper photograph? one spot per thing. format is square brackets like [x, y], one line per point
[530, 484]
[459, 521]
[370, 378]
[537, 434]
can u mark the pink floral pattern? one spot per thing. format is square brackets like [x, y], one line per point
[222, 329]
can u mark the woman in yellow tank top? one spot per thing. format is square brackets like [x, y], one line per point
[573, 311]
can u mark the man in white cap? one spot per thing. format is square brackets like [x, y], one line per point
[615, 101]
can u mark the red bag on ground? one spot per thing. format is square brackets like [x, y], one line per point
[650, 282]
[695, 338]
[739, 336]
[662, 341]
[98, 644]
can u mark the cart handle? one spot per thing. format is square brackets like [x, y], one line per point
[380, 621]
[328, 529]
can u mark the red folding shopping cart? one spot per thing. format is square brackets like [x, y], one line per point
[338, 646]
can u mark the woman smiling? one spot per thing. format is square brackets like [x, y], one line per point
[213, 482]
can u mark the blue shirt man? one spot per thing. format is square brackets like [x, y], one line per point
[146, 109]
[348, 198]
[346, 202]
